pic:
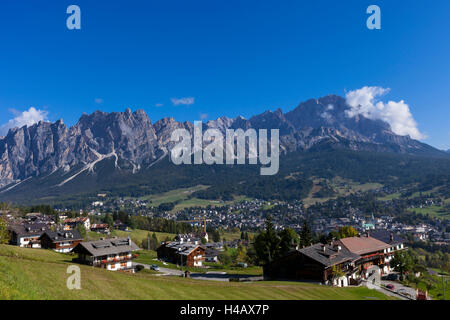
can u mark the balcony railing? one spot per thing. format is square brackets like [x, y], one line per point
[115, 260]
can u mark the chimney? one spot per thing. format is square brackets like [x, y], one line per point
[323, 248]
[391, 237]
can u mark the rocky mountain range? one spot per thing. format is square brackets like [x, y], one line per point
[134, 142]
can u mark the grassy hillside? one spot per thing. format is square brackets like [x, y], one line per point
[150, 257]
[182, 199]
[434, 211]
[138, 235]
[40, 274]
[340, 187]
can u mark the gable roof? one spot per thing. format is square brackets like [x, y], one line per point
[385, 236]
[105, 247]
[99, 226]
[76, 220]
[331, 256]
[58, 236]
[184, 248]
[29, 230]
[363, 245]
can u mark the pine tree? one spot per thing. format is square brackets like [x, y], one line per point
[267, 244]
[154, 242]
[305, 235]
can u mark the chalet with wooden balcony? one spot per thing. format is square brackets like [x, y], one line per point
[184, 254]
[61, 241]
[317, 263]
[27, 235]
[112, 254]
[371, 251]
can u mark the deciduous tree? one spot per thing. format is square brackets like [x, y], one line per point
[402, 262]
[347, 232]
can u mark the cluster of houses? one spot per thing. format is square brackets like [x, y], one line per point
[40, 231]
[37, 230]
[251, 216]
[340, 263]
[353, 257]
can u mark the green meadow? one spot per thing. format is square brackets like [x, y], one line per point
[36, 274]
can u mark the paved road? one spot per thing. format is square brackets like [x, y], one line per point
[222, 276]
[163, 271]
[400, 288]
[388, 292]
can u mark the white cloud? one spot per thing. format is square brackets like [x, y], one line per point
[183, 101]
[159, 105]
[25, 118]
[203, 116]
[365, 102]
[98, 100]
[325, 115]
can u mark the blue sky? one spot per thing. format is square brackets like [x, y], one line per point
[232, 57]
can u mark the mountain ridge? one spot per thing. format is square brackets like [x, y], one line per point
[135, 142]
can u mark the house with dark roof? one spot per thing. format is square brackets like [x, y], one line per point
[111, 254]
[118, 225]
[61, 240]
[211, 255]
[389, 237]
[396, 242]
[316, 263]
[100, 228]
[180, 253]
[27, 235]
